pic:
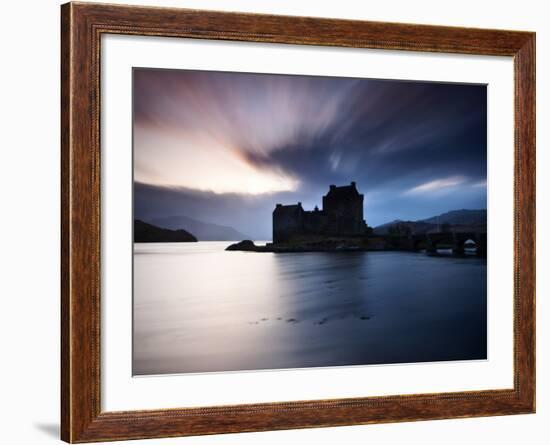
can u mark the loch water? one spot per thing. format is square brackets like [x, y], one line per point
[199, 308]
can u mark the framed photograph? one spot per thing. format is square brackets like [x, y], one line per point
[275, 222]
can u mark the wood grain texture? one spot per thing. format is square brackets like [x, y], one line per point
[81, 28]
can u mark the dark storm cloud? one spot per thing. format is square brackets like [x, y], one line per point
[405, 132]
[414, 148]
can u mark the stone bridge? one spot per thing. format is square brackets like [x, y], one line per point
[432, 241]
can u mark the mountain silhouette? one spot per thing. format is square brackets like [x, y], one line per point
[148, 233]
[202, 230]
[459, 220]
[464, 216]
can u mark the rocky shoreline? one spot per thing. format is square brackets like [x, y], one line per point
[359, 244]
[329, 245]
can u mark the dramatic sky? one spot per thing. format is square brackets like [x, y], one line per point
[226, 147]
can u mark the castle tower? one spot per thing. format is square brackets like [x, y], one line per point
[343, 207]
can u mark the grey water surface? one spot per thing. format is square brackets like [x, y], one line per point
[198, 308]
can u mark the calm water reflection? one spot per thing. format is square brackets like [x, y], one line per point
[198, 308]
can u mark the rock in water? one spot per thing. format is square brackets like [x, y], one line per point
[246, 246]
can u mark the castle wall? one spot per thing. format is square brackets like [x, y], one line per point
[287, 224]
[314, 222]
[342, 215]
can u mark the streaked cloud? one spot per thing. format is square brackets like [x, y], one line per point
[480, 184]
[437, 185]
[286, 138]
[220, 123]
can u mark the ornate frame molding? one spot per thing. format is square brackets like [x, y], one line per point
[82, 25]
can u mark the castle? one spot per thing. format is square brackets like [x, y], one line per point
[341, 216]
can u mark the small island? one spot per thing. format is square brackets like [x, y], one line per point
[340, 227]
[148, 233]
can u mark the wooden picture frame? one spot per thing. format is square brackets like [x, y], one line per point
[82, 25]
